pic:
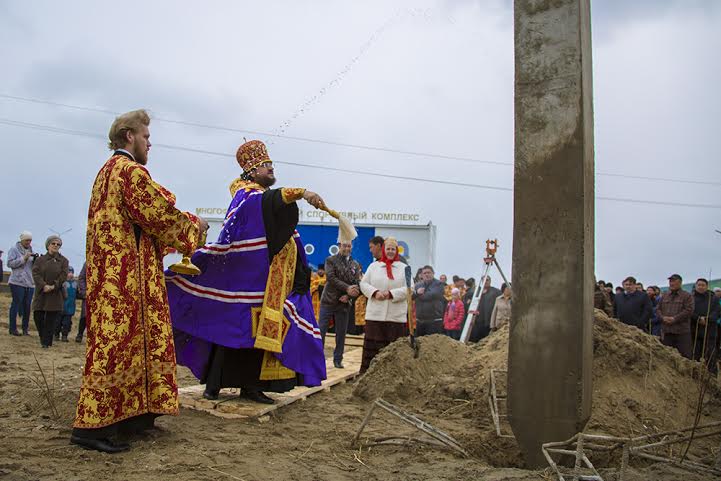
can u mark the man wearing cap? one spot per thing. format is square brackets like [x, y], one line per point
[22, 287]
[129, 376]
[247, 320]
[674, 310]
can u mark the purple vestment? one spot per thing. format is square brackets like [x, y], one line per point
[215, 306]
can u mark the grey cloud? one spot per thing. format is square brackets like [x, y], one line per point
[92, 82]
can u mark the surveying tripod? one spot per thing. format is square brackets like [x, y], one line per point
[489, 260]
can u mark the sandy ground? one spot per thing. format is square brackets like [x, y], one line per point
[308, 440]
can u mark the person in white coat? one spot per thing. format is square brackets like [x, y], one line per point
[384, 284]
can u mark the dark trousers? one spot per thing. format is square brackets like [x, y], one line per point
[708, 352]
[682, 342]
[21, 300]
[63, 325]
[454, 334]
[480, 330]
[81, 322]
[426, 327]
[340, 314]
[45, 324]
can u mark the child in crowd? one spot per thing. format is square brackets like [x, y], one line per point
[453, 317]
[70, 289]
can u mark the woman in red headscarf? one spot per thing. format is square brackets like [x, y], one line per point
[384, 284]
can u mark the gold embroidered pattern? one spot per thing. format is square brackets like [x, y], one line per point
[255, 319]
[251, 154]
[272, 369]
[127, 376]
[239, 183]
[130, 358]
[269, 335]
[360, 305]
[291, 194]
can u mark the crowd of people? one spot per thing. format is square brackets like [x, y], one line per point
[379, 300]
[687, 321]
[44, 285]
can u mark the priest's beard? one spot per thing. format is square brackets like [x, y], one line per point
[265, 181]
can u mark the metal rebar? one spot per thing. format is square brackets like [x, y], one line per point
[364, 423]
[686, 464]
[579, 455]
[421, 425]
[675, 440]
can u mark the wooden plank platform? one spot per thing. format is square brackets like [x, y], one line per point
[229, 405]
[351, 340]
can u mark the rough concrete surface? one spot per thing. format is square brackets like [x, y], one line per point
[550, 355]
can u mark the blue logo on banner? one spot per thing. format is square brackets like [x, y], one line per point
[321, 241]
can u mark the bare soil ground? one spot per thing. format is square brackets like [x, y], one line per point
[311, 440]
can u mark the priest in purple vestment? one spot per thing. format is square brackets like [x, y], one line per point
[247, 321]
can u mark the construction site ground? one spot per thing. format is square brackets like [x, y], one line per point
[447, 386]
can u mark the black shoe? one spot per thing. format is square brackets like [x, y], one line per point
[57, 337]
[79, 339]
[212, 395]
[256, 396]
[44, 346]
[15, 333]
[338, 364]
[26, 333]
[64, 339]
[103, 445]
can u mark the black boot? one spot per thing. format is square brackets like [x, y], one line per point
[211, 394]
[102, 445]
[256, 396]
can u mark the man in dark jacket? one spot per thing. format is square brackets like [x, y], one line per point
[703, 324]
[633, 307]
[675, 309]
[342, 274]
[428, 294]
[482, 324]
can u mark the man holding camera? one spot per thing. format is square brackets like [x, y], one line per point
[22, 287]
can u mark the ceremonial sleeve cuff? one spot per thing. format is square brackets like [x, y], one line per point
[291, 194]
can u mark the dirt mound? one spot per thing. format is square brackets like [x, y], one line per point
[396, 374]
[639, 387]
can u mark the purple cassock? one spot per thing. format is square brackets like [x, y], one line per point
[214, 308]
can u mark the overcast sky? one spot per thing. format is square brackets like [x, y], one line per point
[422, 76]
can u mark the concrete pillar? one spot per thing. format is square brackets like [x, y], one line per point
[551, 347]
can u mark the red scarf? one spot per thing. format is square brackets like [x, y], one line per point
[389, 263]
